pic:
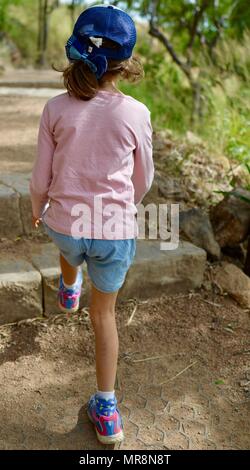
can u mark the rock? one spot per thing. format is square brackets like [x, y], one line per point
[241, 176]
[19, 183]
[237, 252]
[162, 144]
[196, 227]
[10, 220]
[159, 145]
[156, 271]
[20, 291]
[193, 139]
[165, 188]
[163, 134]
[247, 261]
[244, 383]
[231, 218]
[170, 188]
[222, 162]
[153, 194]
[233, 281]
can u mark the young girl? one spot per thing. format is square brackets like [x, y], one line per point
[94, 165]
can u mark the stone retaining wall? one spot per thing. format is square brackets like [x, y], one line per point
[15, 205]
[28, 288]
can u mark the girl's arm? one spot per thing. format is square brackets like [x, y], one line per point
[143, 173]
[42, 170]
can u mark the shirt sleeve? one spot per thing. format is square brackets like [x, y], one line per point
[42, 169]
[143, 173]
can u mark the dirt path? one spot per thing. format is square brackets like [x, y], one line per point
[47, 375]
[19, 121]
[20, 115]
[34, 77]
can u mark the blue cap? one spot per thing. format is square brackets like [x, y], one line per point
[100, 22]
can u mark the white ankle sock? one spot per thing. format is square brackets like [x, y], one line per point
[69, 286]
[106, 395]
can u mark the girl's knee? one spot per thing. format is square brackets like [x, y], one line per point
[99, 315]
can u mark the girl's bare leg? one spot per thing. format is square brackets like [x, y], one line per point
[102, 315]
[69, 272]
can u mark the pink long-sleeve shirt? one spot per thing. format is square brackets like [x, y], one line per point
[94, 165]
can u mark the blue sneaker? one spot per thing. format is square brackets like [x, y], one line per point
[106, 418]
[69, 298]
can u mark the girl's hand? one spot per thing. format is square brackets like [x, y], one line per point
[35, 221]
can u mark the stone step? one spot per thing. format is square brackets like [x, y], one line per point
[55, 84]
[28, 287]
[31, 79]
[15, 205]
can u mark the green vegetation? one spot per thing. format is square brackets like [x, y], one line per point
[226, 117]
[202, 84]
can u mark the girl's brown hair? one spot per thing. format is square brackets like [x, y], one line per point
[82, 83]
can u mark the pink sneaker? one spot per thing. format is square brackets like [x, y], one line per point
[107, 420]
[68, 298]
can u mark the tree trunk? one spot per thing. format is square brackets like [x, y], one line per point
[45, 32]
[186, 67]
[43, 17]
[39, 35]
[41, 40]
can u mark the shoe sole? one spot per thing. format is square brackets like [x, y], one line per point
[68, 310]
[119, 437]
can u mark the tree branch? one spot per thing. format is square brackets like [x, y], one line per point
[197, 17]
[155, 32]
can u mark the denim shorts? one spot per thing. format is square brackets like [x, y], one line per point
[107, 260]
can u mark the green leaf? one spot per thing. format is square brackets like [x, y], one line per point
[219, 382]
[243, 198]
[247, 167]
